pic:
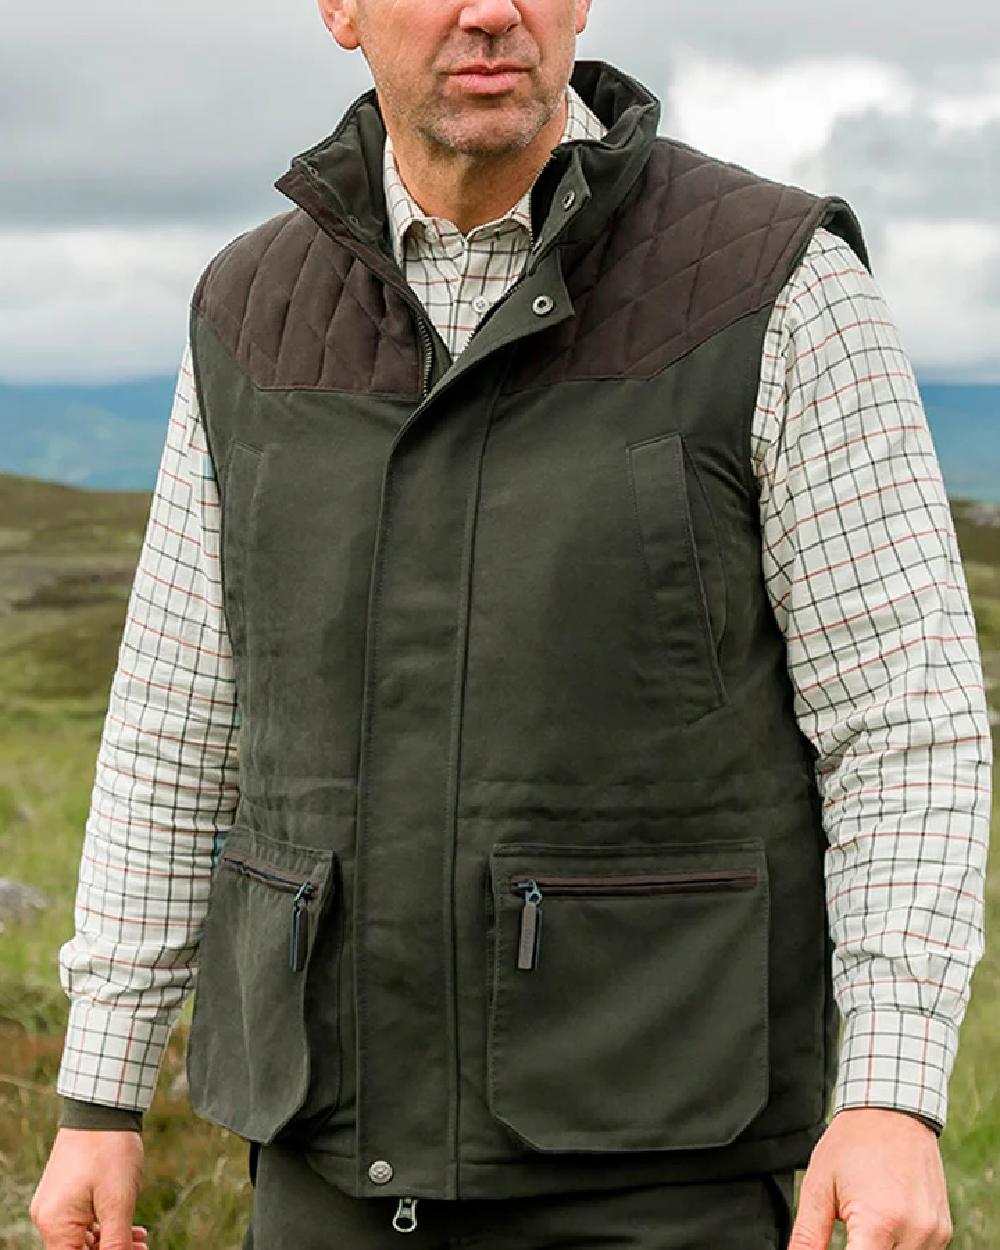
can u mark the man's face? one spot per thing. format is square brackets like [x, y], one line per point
[481, 77]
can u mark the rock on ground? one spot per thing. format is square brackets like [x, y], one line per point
[18, 901]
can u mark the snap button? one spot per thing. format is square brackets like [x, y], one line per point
[569, 199]
[380, 1171]
[480, 304]
[542, 304]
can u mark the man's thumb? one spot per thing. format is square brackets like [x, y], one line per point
[815, 1214]
[114, 1214]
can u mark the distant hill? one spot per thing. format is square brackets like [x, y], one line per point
[965, 424]
[106, 437]
[67, 560]
[111, 437]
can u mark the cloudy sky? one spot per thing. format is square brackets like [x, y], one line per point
[137, 139]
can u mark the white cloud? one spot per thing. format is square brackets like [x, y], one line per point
[923, 34]
[137, 139]
[125, 113]
[98, 304]
[770, 119]
[939, 278]
[970, 110]
[918, 161]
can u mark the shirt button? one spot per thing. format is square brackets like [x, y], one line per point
[569, 199]
[380, 1171]
[480, 304]
[542, 305]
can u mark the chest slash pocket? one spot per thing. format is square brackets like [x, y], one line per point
[236, 540]
[248, 1056]
[683, 567]
[629, 997]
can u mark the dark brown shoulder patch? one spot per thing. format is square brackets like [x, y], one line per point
[298, 310]
[698, 244]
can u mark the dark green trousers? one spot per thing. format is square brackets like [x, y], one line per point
[296, 1209]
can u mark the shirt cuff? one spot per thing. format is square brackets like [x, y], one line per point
[901, 1060]
[111, 1056]
[93, 1115]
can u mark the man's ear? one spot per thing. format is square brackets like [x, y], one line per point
[340, 19]
[582, 13]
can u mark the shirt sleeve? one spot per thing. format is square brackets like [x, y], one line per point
[164, 793]
[863, 571]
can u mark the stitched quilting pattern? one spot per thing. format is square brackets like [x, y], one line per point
[696, 246]
[297, 309]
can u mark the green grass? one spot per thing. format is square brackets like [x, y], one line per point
[196, 1190]
[66, 561]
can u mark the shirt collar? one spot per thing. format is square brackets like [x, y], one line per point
[404, 212]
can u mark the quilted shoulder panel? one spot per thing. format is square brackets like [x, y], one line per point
[296, 309]
[697, 244]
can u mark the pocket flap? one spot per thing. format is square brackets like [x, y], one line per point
[629, 1000]
[248, 1058]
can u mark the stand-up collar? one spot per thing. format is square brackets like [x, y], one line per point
[339, 181]
[405, 213]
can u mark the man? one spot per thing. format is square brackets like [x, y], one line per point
[589, 608]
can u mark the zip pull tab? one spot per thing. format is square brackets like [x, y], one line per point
[300, 926]
[531, 924]
[406, 1209]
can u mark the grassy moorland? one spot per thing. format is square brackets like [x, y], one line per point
[66, 564]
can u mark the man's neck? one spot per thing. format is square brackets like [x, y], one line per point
[470, 190]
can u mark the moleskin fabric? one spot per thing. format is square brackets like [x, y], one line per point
[525, 888]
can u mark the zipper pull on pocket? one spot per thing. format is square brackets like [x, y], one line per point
[300, 926]
[531, 924]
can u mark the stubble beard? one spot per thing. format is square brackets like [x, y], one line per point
[478, 128]
[483, 132]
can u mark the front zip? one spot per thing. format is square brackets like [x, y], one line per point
[428, 350]
[530, 265]
[609, 887]
[394, 277]
[406, 1209]
[294, 883]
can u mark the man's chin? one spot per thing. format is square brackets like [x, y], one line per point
[490, 133]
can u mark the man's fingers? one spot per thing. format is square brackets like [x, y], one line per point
[816, 1211]
[113, 1226]
[140, 1235]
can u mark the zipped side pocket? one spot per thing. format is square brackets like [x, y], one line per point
[645, 1026]
[534, 890]
[302, 886]
[250, 1065]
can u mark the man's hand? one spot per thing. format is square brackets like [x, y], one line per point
[87, 1193]
[880, 1172]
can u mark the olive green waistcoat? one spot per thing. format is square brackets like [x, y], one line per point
[525, 887]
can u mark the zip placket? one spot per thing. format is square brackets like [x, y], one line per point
[293, 883]
[428, 350]
[610, 887]
[395, 278]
